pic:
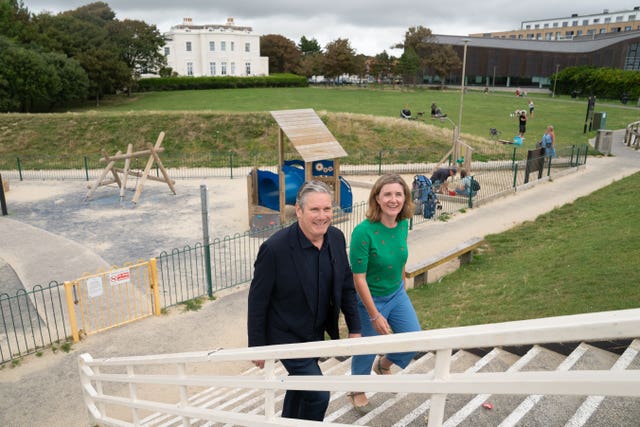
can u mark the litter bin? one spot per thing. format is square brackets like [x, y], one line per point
[599, 121]
[604, 139]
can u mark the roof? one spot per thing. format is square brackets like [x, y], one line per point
[561, 46]
[308, 134]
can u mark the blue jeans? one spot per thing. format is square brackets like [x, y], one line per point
[400, 315]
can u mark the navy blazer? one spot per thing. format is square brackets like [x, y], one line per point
[282, 305]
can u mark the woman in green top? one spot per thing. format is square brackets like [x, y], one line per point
[378, 255]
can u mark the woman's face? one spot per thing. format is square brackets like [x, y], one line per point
[391, 199]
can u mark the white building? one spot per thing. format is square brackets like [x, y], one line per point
[214, 50]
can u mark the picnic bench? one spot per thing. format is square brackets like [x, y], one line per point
[464, 252]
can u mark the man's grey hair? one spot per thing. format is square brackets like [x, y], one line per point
[311, 187]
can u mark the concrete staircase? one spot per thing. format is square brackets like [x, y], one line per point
[404, 409]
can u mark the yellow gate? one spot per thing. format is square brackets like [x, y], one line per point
[112, 298]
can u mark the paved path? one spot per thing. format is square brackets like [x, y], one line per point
[46, 391]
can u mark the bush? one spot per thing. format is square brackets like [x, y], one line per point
[226, 82]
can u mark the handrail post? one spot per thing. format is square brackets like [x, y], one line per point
[380, 162]
[441, 372]
[153, 279]
[231, 164]
[205, 238]
[515, 175]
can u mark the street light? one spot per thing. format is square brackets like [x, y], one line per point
[553, 93]
[464, 69]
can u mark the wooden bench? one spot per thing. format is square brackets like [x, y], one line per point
[464, 252]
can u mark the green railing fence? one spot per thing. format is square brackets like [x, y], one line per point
[36, 319]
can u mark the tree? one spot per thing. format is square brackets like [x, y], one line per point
[443, 61]
[309, 47]
[339, 58]
[382, 66]
[409, 65]
[312, 64]
[284, 56]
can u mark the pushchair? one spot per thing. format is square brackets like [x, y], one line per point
[424, 197]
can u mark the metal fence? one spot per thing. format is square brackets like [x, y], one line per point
[34, 320]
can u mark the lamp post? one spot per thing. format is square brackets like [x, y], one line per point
[553, 93]
[464, 70]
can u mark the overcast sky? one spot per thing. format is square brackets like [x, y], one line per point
[370, 25]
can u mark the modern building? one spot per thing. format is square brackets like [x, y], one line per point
[526, 58]
[573, 26]
[214, 50]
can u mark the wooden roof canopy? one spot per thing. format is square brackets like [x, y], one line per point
[308, 134]
[313, 141]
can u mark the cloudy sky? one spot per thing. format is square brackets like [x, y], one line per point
[371, 26]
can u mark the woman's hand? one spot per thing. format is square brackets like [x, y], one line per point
[381, 325]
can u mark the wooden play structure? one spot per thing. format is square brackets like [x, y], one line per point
[154, 157]
[460, 152]
[313, 142]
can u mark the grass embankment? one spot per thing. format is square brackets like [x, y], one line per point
[238, 120]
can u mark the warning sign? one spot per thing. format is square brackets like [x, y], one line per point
[120, 277]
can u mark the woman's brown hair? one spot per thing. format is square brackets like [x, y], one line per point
[374, 212]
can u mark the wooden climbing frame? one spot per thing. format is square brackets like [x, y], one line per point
[154, 157]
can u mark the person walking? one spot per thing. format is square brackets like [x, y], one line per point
[302, 280]
[522, 124]
[549, 142]
[378, 255]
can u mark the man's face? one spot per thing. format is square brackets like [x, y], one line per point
[315, 218]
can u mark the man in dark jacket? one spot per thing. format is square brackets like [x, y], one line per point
[302, 280]
[440, 177]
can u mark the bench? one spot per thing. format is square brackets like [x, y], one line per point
[464, 252]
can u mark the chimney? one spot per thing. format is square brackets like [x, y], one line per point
[187, 21]
[230, 22]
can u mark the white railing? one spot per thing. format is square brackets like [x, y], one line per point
[113, 384]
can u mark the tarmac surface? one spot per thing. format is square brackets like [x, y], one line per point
[46, 391]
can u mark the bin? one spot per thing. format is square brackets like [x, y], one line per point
[604, 139]
[599, 121]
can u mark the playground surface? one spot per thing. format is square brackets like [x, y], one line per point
[51, 239]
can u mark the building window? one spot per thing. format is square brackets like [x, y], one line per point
[565, 24]
[632, 60]
[212, 46]
[607, 20]
[574, 24]
[545, 26]
[528, 27]
[627, 28]
[223, 68]
[555, 25]
[632, 18]
[618, 18]
[189, 68]
[188, 46]
[536, 26]
[232, 46]
[579, 33]
[212, 68]
[247, 47]
[596, 20]
[167, 51]
[585, 22]
[233, 68]
[591, 32]
[548, 36]
[603, 30]
[223, 46]
[247, 68]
